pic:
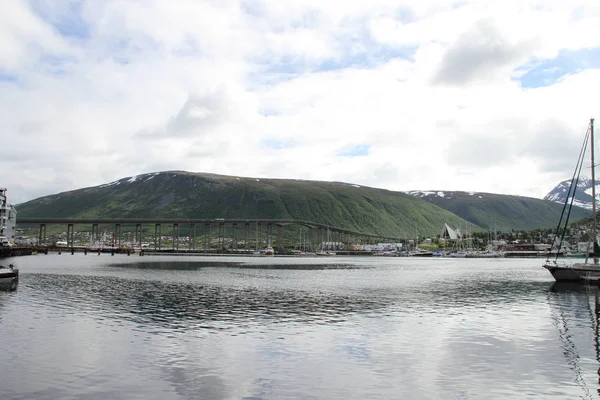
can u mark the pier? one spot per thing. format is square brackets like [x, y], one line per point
[232, 236]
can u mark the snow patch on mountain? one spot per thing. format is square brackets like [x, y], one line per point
[440, 193]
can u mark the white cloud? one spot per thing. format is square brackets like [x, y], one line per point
[105, 90]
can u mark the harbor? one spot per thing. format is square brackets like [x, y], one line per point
[172, 324]
[320, 200]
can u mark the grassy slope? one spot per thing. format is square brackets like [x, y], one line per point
[190, 195]
[503, 212]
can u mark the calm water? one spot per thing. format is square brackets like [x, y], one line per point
[102, 327]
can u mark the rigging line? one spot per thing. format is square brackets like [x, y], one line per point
[571, 188]
[571, 194]
[562, 238]
[576, 172]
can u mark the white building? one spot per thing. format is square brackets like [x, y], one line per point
[388, 247]
[8, 219]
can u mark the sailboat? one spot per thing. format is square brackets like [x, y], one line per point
[563, 271]
[269, 251]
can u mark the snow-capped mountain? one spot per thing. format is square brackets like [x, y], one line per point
[583, 194]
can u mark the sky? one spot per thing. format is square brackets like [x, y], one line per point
[487, 96]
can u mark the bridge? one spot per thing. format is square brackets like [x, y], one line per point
[236, 234]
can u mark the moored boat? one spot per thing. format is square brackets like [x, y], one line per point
[325, 253]
[420, 253]
[457, 254]
[565, 271]
[486, 254]
[300, 253]
[9, 277]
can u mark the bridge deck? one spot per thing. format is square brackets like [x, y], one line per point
[180, 221]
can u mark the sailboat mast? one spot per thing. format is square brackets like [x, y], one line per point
[594, 227]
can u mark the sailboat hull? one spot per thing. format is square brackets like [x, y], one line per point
[573, 272]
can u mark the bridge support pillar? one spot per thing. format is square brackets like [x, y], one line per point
[246, 234]
[138, 235]
[221, 237]
[117, 236]
[157, 237]
[70, 235]
[192, 237]
[234, 233]
[42, 238]
[95, 236]
[280, 242]
[270, 234]
[319, 234]
[175, 237]
[207, 237]
[258, 238]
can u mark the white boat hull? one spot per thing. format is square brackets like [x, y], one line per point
[571, 272]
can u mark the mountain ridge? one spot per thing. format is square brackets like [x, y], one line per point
[498, 211]
[184, 194]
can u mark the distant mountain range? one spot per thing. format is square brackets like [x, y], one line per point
[180, 194]
[497, 211]
[583, 194]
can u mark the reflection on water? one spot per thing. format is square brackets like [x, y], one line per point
[576, 314]
[250, 328]
[240, 263]
[192, 306]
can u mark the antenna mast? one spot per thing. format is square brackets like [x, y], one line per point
[594, 227]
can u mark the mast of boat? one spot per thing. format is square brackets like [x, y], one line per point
[594, 227]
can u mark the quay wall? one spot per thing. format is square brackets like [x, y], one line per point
[15, 251]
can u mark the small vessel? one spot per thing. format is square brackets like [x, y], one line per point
[269, 251]
[457, 254]
[325, 253]
[563, 271]
[420, 253]
[300, 253]
[486, 254]
[9, 277]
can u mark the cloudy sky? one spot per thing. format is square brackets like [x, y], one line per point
[488, 96]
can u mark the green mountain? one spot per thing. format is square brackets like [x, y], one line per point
[178, 194]
[497, 211]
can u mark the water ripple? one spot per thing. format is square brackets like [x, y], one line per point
[152, 328]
